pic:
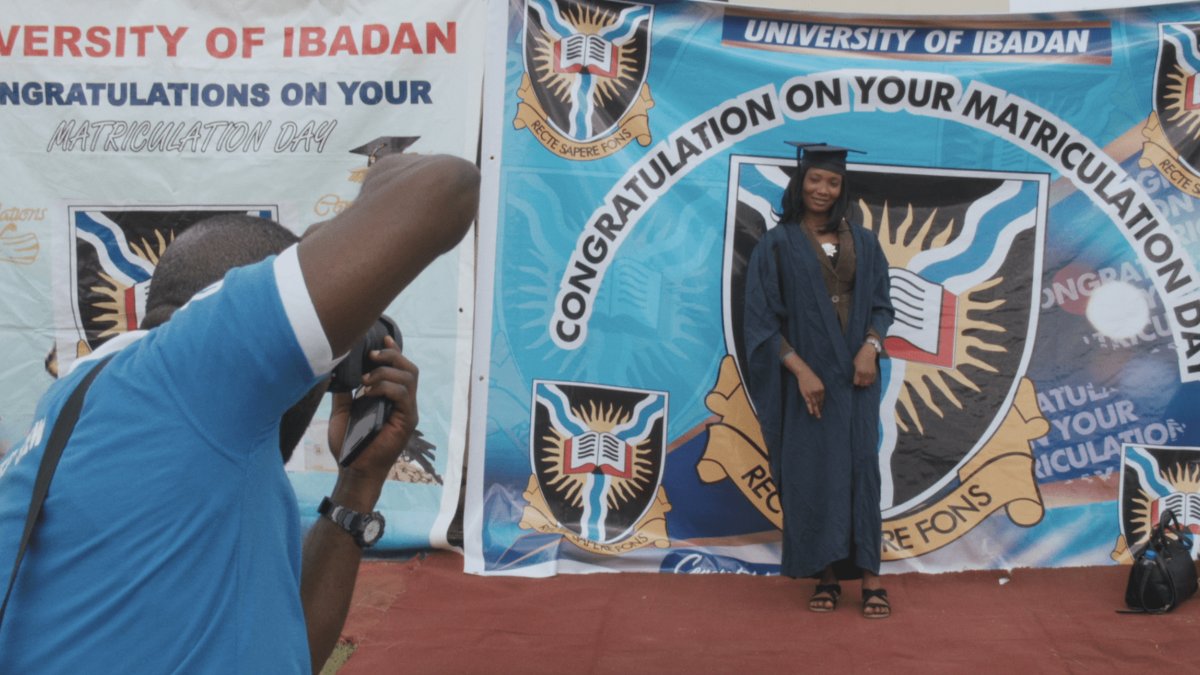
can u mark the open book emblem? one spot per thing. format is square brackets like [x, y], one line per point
[597, 455]
[599, 451]
[1186, 508]
[585, 53]
[924, 330]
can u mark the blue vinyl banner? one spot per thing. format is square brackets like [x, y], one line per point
[1033, 181]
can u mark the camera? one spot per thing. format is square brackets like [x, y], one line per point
[348, 374]
[367, 413]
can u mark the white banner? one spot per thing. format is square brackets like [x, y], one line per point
[124, 123]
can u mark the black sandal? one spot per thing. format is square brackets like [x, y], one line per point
[880, 598]
[825, 593]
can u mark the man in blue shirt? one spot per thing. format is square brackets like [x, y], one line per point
[170, 540]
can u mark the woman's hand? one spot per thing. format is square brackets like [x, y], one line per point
[812, 389]
[866, 368]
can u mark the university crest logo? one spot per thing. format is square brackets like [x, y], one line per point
[113, 252]
[1172, 133]
[958, 413]
[584, 94]
[1153, 481]
[597, 455]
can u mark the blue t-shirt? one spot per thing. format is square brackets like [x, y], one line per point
[170, 538]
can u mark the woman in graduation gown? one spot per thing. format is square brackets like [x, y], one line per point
[817, 308]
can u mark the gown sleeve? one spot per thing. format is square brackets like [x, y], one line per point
[764, 322]
[882, 313]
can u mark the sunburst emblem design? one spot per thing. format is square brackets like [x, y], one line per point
[1179, 93]
[587, 61]
[118, 299]
[1145, 508]
[973, 338]
[569, 481]
[589, 21]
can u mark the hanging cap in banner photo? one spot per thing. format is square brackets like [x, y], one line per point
[384, 145]
[822, 156]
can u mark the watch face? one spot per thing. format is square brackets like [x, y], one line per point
[372, 530]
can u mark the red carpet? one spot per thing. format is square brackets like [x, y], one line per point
[425, 616]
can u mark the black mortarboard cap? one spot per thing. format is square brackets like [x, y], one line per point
[384, 145]
[822, 156]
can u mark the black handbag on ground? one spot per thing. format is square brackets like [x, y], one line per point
[1164, 572]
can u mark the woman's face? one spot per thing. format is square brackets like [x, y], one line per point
[820, 190]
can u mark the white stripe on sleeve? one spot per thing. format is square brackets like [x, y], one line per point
[300, 312]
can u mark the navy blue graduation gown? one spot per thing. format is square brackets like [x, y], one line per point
[826, 470]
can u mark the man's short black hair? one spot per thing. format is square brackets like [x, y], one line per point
[204, 253]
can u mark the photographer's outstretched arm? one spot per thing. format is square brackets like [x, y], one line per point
[411, 209]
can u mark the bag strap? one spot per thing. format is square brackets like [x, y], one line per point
[1162, 567]
[63, 426]
[1168, 522]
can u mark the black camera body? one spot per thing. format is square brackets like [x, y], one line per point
[348, 374]
[367, 413]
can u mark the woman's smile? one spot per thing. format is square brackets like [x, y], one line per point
[820, 190]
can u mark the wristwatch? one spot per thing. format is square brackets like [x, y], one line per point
[366, 528]
[874, 342]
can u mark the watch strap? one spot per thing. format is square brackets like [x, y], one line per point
[353, 522]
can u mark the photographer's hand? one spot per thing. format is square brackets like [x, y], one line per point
[395, 378]
[331, 556]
